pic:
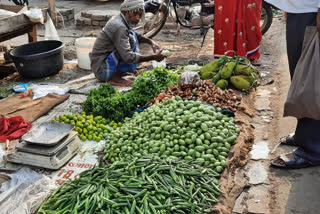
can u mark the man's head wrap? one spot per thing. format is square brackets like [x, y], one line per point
[132, 5]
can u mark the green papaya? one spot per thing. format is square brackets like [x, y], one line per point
[227, 70]
[223, 84]
[250, 78]
[210, 67]
[240, 83]
[245, 70]
[207, 75]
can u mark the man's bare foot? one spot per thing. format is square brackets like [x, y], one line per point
[281, 161]
[255, 62]
[120, 82]
[290, 161]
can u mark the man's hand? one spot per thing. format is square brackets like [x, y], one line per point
[155, 46]
[318, 22]
[159, 56]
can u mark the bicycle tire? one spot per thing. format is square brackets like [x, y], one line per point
[160, 25]
[269, 17]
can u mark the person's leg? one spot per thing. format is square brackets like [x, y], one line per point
[225, 31]
[296, 26]
[308, 137]
[253, 30]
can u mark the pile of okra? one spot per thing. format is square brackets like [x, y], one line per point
[144, 185]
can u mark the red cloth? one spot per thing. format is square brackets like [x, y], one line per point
[237, 28]
[13, 128]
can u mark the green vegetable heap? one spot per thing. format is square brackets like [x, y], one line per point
[184, 129]
[236, 70]
[109, 103]
[146, 185]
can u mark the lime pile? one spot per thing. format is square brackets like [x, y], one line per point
[88, 126]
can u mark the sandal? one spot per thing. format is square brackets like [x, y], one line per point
[295, 163]
[288, 140]
[255, 62]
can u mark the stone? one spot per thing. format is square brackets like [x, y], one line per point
[256, 173]
[260, 150]
[258, 205]
[239, 206]
[263, 100]
[259, 190]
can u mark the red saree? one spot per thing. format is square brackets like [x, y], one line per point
[237, 28]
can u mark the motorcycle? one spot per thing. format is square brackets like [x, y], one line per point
[189, 13]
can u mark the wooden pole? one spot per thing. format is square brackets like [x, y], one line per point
[52, 9]
[32, 36]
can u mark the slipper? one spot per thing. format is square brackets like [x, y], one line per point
[296, 163]
[288, 140]
[255, 62]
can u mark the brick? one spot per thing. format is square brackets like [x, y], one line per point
[70, 16]
[95, 23]
[87, 22]
[102, 23]
[79, 22]
[85, 14]
[98, 17]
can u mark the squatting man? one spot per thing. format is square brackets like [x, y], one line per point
[116, 49]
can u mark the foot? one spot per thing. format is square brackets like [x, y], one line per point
[290, 161]
[288, 140]
[120, 82]
[255, 62]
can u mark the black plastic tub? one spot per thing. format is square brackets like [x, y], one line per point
[38, 59]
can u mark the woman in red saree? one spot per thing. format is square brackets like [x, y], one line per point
[237, 28]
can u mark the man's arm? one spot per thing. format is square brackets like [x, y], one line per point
[154, 45]
[156, 56]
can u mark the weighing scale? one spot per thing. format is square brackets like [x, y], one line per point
[51, 157]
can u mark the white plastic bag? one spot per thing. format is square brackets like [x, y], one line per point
[25, 192]
[35, 15]
[50, 30]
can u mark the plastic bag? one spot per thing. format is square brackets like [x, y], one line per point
[35, 15]
[6, 13]
[189, 77]
[50, 30]
[304, 92]
[25, 192]
[44, 90]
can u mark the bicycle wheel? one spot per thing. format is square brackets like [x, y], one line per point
[266, 17]
[154, 20]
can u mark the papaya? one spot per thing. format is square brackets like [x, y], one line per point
[250, 78]
[244, 70]
[240, 83]
[227, 70]
[207, 75]
[223, 84]
[210, 67]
